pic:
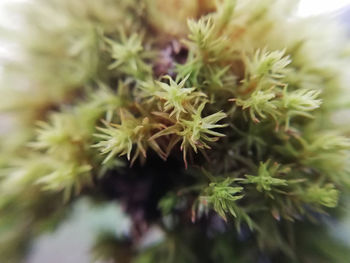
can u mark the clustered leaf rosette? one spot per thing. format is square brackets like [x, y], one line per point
[237, 98]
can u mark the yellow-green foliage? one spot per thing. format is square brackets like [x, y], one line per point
[247, 100]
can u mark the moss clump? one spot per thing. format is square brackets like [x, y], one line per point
[218, 114]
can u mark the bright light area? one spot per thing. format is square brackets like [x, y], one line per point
[317, 7]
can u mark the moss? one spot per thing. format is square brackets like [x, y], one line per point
[242, 91]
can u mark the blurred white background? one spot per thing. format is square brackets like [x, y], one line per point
[316, 7]
[306, 7]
